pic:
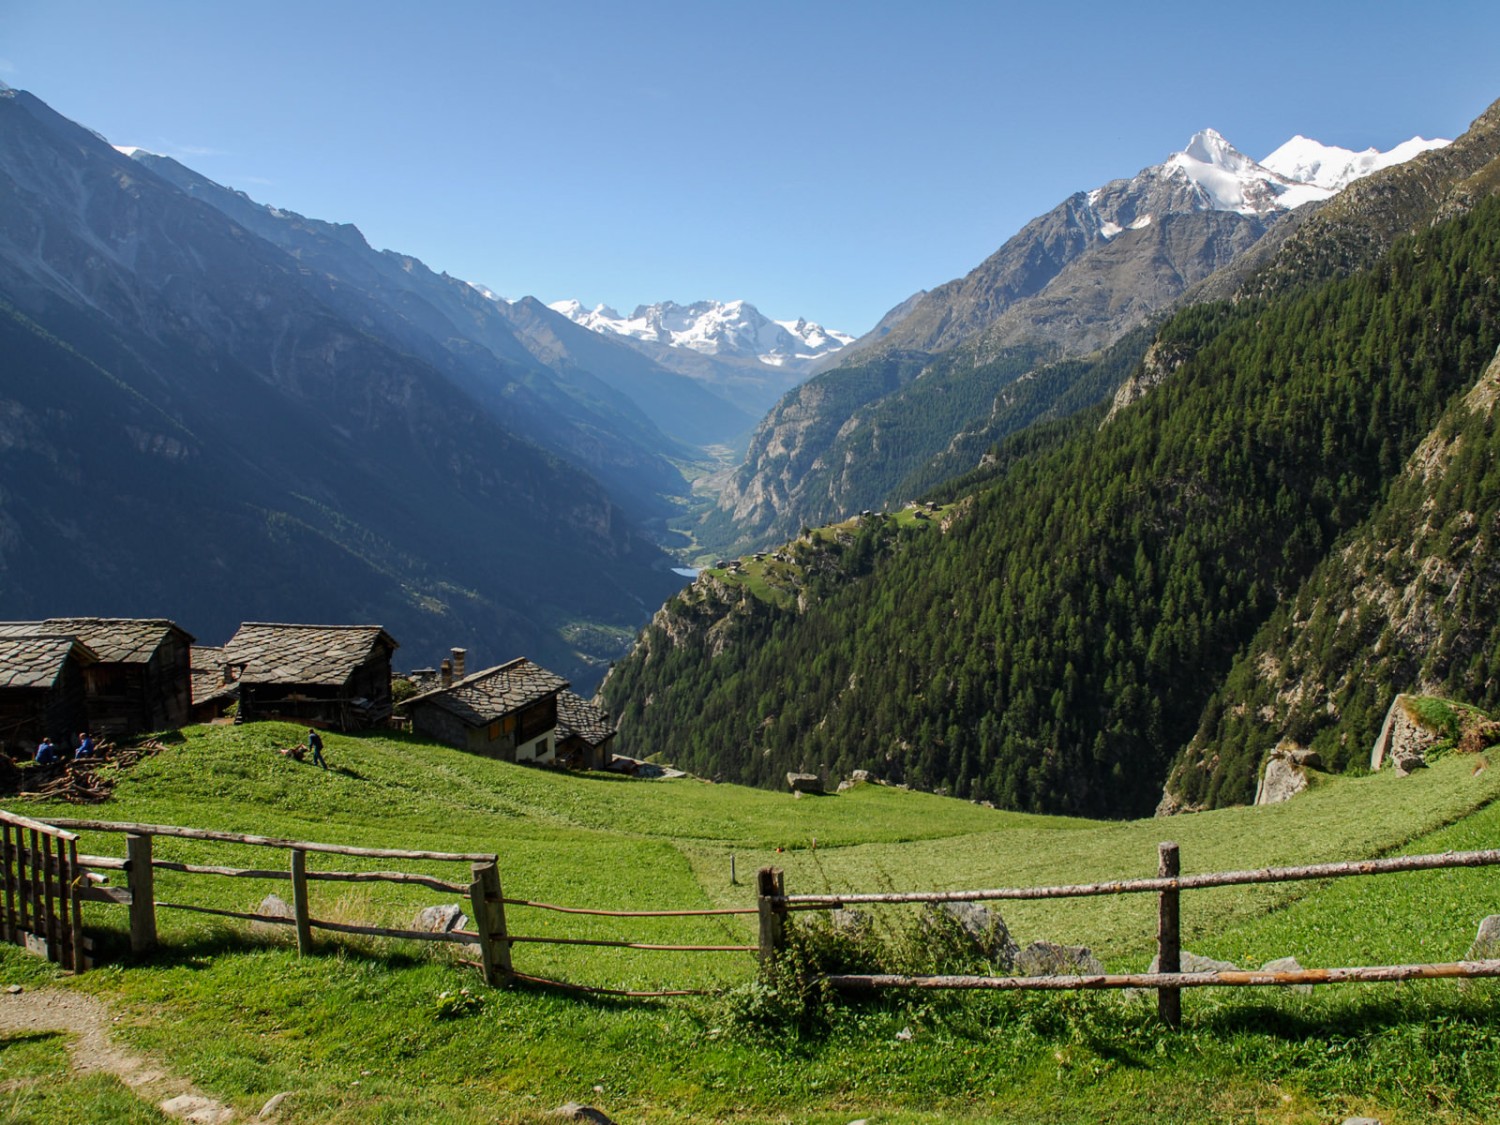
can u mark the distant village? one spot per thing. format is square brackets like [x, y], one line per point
[118, 677]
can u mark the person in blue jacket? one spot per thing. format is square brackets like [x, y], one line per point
[85, 746]
[46, 753]
[315, 745]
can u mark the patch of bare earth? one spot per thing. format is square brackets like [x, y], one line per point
[87, 1022]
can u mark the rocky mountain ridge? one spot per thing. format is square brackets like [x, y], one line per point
[1071, 282]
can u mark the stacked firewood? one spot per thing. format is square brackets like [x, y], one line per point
[82, 781]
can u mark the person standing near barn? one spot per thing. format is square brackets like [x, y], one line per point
[315, 744]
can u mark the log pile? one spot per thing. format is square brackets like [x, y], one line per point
[86, 781]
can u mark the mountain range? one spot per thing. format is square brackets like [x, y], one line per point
[217, 411]
[1270, 511]
[1211, 449]
[731, 346]
[955, 361]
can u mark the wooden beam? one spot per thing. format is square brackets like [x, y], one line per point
[141, 882]
[770, 888]
[271, 841]
[1154, 886]
[1168, 937]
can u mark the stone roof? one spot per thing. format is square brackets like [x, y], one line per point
[495, 692]
[304, 654]
[208, 674]
[577, 716]
[31, 660]
[114, 640]
[118, 640]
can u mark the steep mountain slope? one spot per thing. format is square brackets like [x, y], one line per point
[194, 430]
[1409, 603]
[528, 375]
[1069, 283]
[1058, 642]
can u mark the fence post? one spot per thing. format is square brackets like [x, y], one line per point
[140, 880]
[770, 886]
[76, 880]
[1168, 937]
[299, 902]
[488, 907]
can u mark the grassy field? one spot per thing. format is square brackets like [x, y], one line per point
[362, 1032]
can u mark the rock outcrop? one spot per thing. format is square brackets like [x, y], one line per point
[1285, 774]
[1402, 738]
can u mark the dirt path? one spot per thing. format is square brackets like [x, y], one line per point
[93, 1049]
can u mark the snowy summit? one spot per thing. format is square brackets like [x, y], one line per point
[1210, 174]
[734, 329]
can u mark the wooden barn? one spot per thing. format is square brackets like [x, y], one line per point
[142, 680]
[42, 688]
[584, 733]
[336, 676]
[507, 712]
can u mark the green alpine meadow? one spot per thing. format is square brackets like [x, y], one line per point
[368, 1029]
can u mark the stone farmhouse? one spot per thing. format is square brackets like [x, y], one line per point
[41, 687]
[509, 712]
[133, 675]
[334, 676]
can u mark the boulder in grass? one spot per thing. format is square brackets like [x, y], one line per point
[804, 783]
[1486, 945]
[1193, 963]
[1288, 965]
[440, 919]
[1409, 762]
[272, 906]
[575, 1111]
[1048, 959]
[983, 929]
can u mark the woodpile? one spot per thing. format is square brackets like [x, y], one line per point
[85, 782]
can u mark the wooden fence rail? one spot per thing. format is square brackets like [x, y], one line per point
[775, 904]
[486, 902]
[139, 894]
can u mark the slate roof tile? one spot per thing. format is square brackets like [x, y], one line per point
[576, 715]
[489, 695]
[303, 654]
[34, 661]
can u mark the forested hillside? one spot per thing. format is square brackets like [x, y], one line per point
[1055, 646]
[1410, 602]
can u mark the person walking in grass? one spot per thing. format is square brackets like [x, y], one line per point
[315, 745]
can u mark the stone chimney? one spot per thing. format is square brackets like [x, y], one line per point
[458, 663]
[445, 670]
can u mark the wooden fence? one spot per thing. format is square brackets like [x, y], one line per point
[42, 894]
[1168, 981]
[46, 879]
[491, 933]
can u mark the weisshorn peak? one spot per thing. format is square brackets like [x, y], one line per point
[1210, 174]
[728, 329]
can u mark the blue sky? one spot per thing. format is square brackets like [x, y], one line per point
[817, 159]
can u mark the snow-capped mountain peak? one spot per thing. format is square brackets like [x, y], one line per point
[735, 329]
[1210, 174]
[1307, 161]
